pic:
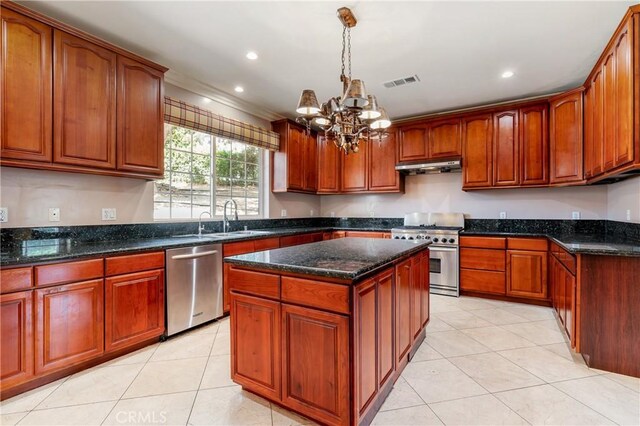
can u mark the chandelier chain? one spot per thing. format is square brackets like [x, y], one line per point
[344, 32]
[349, 50]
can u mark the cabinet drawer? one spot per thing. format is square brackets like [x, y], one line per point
[483, 242]
[69, 272]
[242, 247]
[134, 263]
[317, 294]
[482, 281]
[252, 282]
[266, 244]
[15, 279]
[364, 234]
[492, 260]
[535, 244]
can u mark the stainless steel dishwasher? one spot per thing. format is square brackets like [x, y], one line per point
[194, 286]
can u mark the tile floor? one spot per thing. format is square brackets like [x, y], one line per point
[483, 362]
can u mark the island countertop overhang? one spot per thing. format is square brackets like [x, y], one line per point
[349, 259]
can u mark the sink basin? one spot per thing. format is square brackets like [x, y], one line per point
[249, 233]
[198, 236]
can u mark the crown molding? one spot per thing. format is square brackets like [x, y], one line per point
[217, 95]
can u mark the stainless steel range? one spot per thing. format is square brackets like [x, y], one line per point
[442, 230]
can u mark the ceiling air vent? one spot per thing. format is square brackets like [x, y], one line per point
[401, 81]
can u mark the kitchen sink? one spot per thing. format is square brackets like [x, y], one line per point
[248, 233]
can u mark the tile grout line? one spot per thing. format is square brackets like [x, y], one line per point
[580, 402]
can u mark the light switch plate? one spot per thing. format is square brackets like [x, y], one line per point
[575, 215]
[628, 215]
[54, 214]
[283, 213]
[109, 214]
[503, 215]
[4, 214]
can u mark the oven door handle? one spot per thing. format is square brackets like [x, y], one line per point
[443, 248]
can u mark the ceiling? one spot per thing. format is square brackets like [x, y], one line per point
[458, 49]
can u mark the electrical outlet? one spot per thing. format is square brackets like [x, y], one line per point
[312, 212]
[54, 214]
[575, 215]
[628, 215]
[4, 214]
[283, 213]
[333, 214]
[372, 213]
[503, 215]
[109, 214]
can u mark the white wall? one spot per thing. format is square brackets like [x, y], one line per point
[623, 196]
[441, 192]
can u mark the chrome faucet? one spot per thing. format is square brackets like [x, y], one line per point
[225, 221]
[200, 227]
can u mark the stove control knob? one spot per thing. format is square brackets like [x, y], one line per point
[451, 240]
[403, 238]
[435, 240]
[411, 238]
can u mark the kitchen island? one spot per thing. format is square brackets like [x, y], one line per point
[325, 329]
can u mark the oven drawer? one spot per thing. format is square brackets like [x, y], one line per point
[485, 259]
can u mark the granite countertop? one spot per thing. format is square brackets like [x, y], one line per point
[344, 258]
[594, 244]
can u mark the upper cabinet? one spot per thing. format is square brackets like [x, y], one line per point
[477, 163]
[534, 145]
[26, 77]
[295, 165]
[354, 169]
[328, 167]
[91, 107]
[565, 131]
[383, 176]
[441, 138]
[506, 147]
[413, 143]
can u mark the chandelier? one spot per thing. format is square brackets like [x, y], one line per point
[351, 118]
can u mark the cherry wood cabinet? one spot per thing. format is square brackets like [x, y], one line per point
[26, 76]
[403, 320]
[383, 156]
[385, 311]
[624, 95]
[416, 298]
[16, 338]
[355, 170]
[425, 288]
[534, 145]
[329, 167]
[564, 286]
[134, 308]
[506, 149]
[84, 103]
[69, 324]
[256, 325]
[140, 118]
[483, 265]
[295, 165]
[565, 139]
[413, 143]
[527, 274]
[477, 158]
[609, 110]
[445, 138]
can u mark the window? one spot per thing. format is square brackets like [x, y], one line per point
[203, 171]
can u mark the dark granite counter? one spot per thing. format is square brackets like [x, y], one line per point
[345, 258]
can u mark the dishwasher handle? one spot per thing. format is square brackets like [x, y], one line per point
[194, 255]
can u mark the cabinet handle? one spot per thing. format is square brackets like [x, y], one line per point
[194, 255]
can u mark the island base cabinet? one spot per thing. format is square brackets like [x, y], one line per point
[255, 325]
[16, 346]
[315, 360]
[69, 325]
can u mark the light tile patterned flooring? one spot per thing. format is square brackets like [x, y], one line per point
[483, 362]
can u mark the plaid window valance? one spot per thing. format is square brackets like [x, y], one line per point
[192, 117]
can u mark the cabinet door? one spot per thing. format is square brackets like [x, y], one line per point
[382, 164]
[69, 325]
[560, 277]
[403, 311]
[413, 143]
[424, 277]
[366, 374]
[589, 163]
[570, 306]
[26, 76]
[609, 109]
[140, 118]
[315, 364]
[354, 170]
[416, 298]
[445, 139]
[310, 158]
[534, 145]
[527, 274]
[386, 361]
[16, 338]
[624, 96]
[476, 151]
[84, 112]
[328, 166]
[134, 308]
[506, 156]
[566, 138]
[295, 157]
[255, 325]
[597, 127]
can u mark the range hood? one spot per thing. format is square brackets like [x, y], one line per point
[429, 167]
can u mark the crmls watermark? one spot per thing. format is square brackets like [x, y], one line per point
[141, 417]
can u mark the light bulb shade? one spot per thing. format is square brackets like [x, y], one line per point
[381, 122]
[372, 110]
[308, 103]
[356, 95]
[322, 121]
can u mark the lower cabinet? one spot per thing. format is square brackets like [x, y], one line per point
[134, 308]
[424, 282]
[563, 285]
[315, 348]
[16, 338]
[527, 274]
[403, 311]
[69, 324]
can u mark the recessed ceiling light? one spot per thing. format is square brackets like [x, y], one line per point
[206, 100]
[239, 89]
[252, 56]
[507, 74]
